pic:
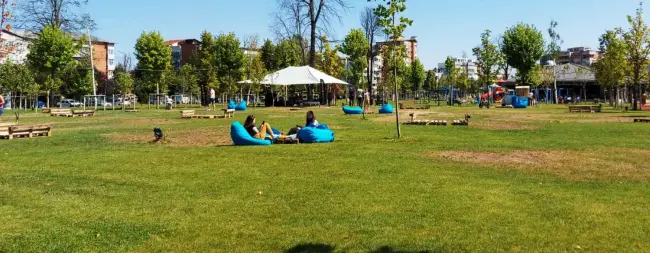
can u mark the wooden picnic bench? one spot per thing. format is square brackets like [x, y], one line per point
[83, 113]
[585, 108]
[642, 120]
[61, 112]
[46, 110]
[425, 122]
[191, 114]
[4, 128]
[228, 113]
[26, 131]
[311, 103]
[413, 105]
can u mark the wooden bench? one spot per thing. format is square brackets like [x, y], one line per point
[462, 122]
[190, 114]
[83, 113]
[585, 108]
[312, 103]
[642, 120]
[131, 110]
[4, 128]
[414, 106]
[228, 113]
[187, 114]
[46, 110]
[425, 122]
[61, 112]
[28, 131]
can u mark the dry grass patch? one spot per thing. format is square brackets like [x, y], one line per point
[205, 137]
[619, 164]
[501, 125]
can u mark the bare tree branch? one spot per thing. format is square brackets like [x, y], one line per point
[66, 15]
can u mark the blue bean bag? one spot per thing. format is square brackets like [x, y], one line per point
[241, 106]
[386, 109]
[352, 110]
[319, 134]
[240, 136]
[231, 104]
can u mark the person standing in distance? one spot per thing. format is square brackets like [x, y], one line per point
[212, 99]
[2, 105]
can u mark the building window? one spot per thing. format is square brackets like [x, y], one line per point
[110, 52]
[111, 62]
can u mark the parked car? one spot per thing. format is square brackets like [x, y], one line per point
[41, 104]
[68, 103]
[120, 102]
[100, 102]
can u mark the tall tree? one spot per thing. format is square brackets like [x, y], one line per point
[267, 55]
[49, 54]
[611, 68]
[417, 75]
[286, 54]
[124, 84]
[637, 41]
[204, 64]
[503, 68]
[387, 16]
[553, 50]
[316, 15]
[355, 46]
[229, 61]
[523, 47]
[67, 15]
[487, 57]
[431, 81]
[17, 78]
[451, 75]
[370, 26]
[154, 61]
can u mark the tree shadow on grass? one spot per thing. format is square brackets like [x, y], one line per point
[311, 248]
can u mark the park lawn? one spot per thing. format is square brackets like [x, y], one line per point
[534, 180]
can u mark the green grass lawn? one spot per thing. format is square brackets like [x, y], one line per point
[533, 180]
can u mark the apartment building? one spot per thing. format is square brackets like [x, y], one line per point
[14, 46]
[461, 63]
[411, 47]
[182, 51]
[579, 55]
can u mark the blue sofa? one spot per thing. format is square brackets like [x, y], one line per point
[241, 106]
[352, 110]
[240, 136]
[386, 109]
[319, 134]
[231, 104]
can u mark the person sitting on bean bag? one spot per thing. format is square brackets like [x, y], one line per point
[309, 122]
[260, 133]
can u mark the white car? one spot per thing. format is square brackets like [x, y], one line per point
[68, 103]
[125, 102]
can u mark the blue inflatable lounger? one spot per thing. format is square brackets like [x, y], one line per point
[319, 134]
[386, 109]
[352, 110]
[240, 136]
[231, 104]
[241, 106]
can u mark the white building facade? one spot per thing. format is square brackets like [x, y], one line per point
[461, 63]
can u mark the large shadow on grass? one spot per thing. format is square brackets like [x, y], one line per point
[324, 248]
[311, 248]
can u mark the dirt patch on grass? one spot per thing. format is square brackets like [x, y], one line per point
[337, 127]
[619, 164]
[149, 121]
[182, 138]
[500, 125]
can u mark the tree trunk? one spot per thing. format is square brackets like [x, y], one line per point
[611, 96]
[634, 96]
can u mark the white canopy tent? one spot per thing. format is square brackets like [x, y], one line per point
[299, 76]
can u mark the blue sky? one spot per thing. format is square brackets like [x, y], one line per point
[443, 28]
